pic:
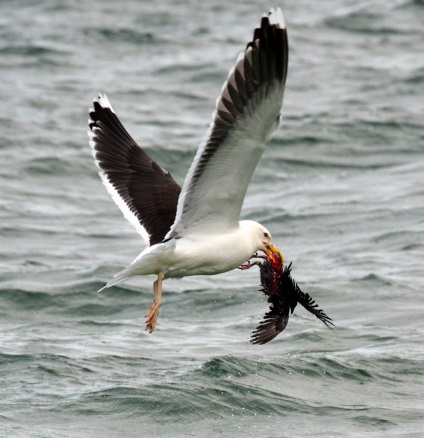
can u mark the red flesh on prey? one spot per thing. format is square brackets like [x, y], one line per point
[274, 260]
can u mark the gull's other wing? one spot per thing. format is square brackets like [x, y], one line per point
[146, 194]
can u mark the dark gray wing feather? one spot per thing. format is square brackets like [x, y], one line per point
[146, 193]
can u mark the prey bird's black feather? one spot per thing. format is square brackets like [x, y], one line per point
[283, 296]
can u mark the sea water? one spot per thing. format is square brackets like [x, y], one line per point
[340, 187]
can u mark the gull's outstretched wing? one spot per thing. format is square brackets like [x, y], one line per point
[146, 194]
[247, 115]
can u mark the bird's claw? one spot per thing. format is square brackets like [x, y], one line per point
[152, 316]
[248, 265]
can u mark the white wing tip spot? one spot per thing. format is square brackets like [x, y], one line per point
[104, 101]
[276, 17]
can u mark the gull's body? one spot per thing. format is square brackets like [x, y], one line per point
[203, 254]
[196, 229]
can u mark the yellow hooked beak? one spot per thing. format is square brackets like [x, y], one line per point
[274, 250]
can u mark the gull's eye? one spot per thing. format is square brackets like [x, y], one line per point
[266, 235]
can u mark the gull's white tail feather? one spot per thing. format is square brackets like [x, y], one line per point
[117, 279]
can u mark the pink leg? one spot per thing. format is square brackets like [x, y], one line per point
[153, 312]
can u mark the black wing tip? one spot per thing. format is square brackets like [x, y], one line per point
[264, 60]
[271, 37]
[101, 108]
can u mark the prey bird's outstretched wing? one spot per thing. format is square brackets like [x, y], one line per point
[273, 323]
[146, 194]
[247, 115]
[309, 304]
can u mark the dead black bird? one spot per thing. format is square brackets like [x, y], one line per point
[283, 295]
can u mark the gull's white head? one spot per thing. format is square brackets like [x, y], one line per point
[262, 236]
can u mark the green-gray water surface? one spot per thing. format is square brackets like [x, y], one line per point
[340, 188]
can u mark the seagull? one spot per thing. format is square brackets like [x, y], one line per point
[196, 229]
